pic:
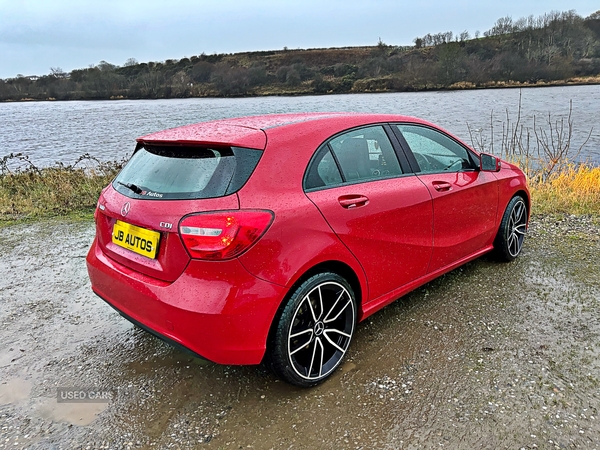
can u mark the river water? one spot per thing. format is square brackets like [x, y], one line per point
[49, 132]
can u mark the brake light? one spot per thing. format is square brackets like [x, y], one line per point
[223, 234]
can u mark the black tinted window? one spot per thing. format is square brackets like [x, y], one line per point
[323, 170]
[178, 172]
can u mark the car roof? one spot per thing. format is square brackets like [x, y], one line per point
[253, 131]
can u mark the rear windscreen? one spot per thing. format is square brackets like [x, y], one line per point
[182, 172]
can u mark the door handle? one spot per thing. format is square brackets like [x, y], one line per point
[353, 201]
[441, 186]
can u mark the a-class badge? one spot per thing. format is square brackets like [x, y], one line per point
[125, 209]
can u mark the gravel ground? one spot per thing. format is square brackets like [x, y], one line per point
[489, 356]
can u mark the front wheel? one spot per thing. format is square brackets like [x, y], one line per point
[511, 233]
[314, 330]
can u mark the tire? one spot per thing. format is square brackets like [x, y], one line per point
[509, 241]
[313, 331]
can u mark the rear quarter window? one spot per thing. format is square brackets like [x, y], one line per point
[186, 172]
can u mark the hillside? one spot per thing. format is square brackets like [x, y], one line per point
[558, 47]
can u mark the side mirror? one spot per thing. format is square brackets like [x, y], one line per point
[489, 163]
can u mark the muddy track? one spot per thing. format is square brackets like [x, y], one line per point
[489, 356]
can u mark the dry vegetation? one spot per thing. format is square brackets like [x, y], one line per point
[574, 189]
[32, 193]
[544, 151]
[29, 192]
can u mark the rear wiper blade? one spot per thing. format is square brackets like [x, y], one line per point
[131, 187]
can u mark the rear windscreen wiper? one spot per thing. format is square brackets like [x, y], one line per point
[131, 187]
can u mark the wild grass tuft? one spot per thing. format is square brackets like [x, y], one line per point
[574, 189]
[29, 192]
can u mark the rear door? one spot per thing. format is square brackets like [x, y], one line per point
[465, 200]
[380, 212]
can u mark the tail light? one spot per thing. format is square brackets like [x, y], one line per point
[223, 234]
[99, 207]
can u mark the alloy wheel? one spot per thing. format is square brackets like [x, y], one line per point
[321, 330]
[517, 225]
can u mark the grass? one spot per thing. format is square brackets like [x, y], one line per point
[33, 193]
[574, 189]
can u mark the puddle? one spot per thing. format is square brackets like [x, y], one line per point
[14, 391]
[74, 413]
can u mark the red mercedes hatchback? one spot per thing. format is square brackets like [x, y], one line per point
[268, 238]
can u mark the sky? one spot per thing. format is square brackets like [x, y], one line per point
[36, 35]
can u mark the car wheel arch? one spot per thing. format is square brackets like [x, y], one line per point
[526, 199]
[507, 243]
[338, 267]
[524, 196]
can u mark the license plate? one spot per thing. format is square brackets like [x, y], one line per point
[139, 240]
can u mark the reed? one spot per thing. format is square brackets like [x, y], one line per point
[544, 151]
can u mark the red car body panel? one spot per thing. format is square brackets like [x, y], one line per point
[298, 239]
[511, 181]
[203, 310]
[390, 249]
[392, 296]
[465, 214]
[401, 233]
[214, 133]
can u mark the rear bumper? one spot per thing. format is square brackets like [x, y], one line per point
[216, 310]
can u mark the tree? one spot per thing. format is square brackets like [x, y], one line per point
[281, 73]
[201, 71]
[230, 80]
[57, 72]
[504, 25]
[181, 84]
[451, 63]
[292, 77]
[372, 67]
[320, 85]
[106, 66]
[148, 83]
[257, 74]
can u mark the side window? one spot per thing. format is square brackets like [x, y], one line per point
[365, 153]
[323, 170]
[434, 151]
[361, 154]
